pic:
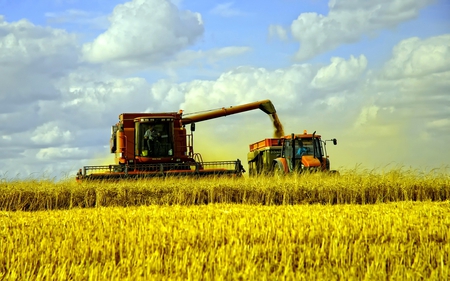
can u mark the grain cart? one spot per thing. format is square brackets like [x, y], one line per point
[292, 153]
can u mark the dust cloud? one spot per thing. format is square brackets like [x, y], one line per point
[278, 127]
[102, 159]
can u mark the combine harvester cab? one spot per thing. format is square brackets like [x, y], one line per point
[295, 153]
[157, 144]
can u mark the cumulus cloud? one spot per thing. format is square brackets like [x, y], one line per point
[50, 134]
[277, 31]
[348, 21]
[203, 57]
[417, 58]
[415, 69]
[78, 17]
[55, 153]
[246, 84]
[37, 55]
[440, 124]
[295, 89]
[166, 95]
[145, 30]
[98, 101]
[226, 10]
[410, 110]
[340, 72]
[32, 60]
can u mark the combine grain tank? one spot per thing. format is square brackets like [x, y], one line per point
[157, 144]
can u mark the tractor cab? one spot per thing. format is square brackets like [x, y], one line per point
[305, 151]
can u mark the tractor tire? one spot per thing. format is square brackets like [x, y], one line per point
[278, 170]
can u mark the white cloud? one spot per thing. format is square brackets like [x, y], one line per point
[98, 102]
[440, 124]
[32, 58]
[418, 75]
[50, 134]
[78, 17]
[33, 54]
[339, 72]
[277, 31]
[145, 31]
[347, 21]
[246, 84]
[221, 53]
[24, 44]
[291, 90]
[367, 113]
[417, 58]
[62, 17]
[226, 10]
[204, 57]
[55, 153]
[406, 111]
[167, 95]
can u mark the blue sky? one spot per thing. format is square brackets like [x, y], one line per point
[368, 73]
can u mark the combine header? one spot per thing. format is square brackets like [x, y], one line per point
[294, 153]
[157, 144]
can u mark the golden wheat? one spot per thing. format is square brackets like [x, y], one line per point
[349, 188]
[395, 241]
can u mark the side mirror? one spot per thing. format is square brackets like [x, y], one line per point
[192, 127]
[334, 141]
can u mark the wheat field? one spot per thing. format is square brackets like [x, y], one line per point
[352, 187]
[395, 241]
[366, 226]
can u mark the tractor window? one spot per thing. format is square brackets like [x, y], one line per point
[305, 147]
[308, 146]
[288, 148]
[320, 147]
[154, 139]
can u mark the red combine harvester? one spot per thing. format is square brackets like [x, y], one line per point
[157, 144]
[292, 153]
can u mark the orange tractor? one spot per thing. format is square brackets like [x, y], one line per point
[157, 144]
[295, 153]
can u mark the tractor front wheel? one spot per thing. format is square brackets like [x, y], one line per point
[278, 170]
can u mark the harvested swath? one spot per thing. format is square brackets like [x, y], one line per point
[396, 241]
[350, 188]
